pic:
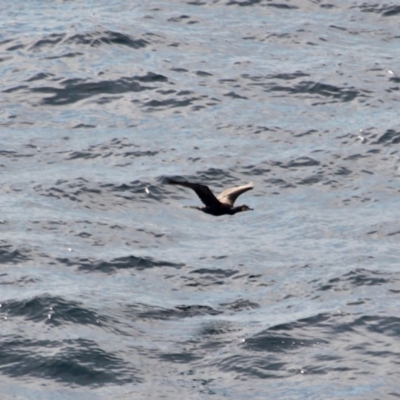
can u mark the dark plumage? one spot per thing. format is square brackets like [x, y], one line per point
[221, 205]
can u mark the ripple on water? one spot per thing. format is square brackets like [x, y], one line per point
[109, 283]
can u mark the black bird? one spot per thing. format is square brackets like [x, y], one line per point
[221, 205]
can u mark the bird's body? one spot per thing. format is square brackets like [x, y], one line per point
[221, 205]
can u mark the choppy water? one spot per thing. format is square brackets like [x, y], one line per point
[111, 287]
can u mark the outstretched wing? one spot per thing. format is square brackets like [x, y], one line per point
[229, 196]
[203, 191]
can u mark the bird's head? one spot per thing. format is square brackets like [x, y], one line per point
[241, 208]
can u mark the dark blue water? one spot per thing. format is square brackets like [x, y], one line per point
[112, 287]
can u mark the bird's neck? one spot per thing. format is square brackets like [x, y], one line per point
[235, 210]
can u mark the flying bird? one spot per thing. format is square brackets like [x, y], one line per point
[221, 205]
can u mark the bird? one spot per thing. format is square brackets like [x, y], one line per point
[221, 205]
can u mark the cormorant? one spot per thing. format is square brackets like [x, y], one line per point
[221, 205]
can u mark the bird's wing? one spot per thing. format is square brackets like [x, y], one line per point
[203, 191]
[229, 196]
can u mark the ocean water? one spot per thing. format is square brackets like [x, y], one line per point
[112, 287]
